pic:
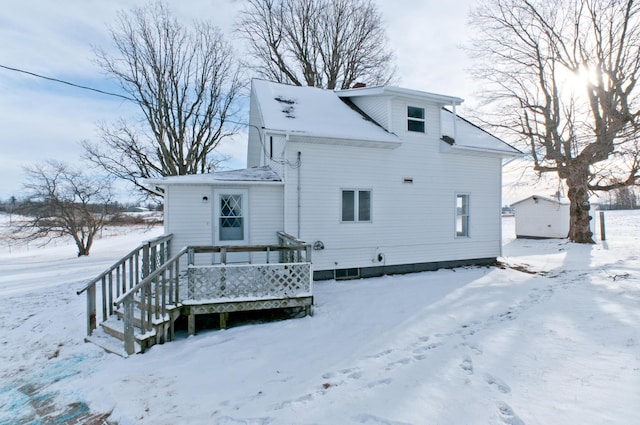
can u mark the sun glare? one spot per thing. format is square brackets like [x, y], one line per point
[574, 84]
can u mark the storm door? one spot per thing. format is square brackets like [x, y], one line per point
[231, 222]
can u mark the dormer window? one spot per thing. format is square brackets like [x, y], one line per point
[415, 119]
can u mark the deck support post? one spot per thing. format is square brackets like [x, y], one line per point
[224, 316]
[191, 325]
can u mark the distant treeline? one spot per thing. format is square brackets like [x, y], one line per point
[623, 198]
[115, 210]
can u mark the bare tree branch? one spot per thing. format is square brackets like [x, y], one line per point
[321, 43]
[562, 75]
[63, 201]
[186, 82]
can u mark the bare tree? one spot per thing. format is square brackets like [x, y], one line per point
[61, 202]
[184, 79]
[562, 75]
[320, 43]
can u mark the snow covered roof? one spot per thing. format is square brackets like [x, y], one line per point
[256, 175]
[561, 201]
[399, 91]
[471, 137]
[314, 112]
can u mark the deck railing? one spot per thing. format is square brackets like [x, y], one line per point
[155, 295]
[161, 291]
[289, 276]
[122, 277]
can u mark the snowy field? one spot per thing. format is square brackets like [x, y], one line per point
[552, 337]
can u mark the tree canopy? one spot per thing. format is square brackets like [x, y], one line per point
[185, 81]
[319, 43]
[64, 201]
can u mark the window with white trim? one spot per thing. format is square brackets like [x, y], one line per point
[356, 205]
[415, 119]
[462, 215]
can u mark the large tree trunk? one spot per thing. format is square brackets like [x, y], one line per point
[579, 218]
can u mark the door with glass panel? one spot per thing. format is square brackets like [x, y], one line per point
[231, 223]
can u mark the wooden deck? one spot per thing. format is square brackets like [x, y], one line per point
[144, 293]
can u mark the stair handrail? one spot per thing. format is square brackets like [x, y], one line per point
[147, 251]
[167, 292]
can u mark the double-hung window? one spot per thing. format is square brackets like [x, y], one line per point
[462, 215]
[415, 119]
[356, 205]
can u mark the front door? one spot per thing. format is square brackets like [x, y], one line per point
[231, 222]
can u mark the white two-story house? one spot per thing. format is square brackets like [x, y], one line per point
[377, 179]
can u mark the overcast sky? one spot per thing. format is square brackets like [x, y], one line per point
[41, 120]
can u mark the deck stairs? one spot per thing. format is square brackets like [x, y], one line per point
[110, 335]
[145, 292]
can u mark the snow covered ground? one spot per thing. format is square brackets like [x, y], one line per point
[552, 337]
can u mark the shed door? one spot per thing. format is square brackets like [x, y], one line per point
[231, 221]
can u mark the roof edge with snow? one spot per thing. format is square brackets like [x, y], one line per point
[256, 175]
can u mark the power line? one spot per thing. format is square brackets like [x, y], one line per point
[130, 99]
[107, 93]
[57, 80]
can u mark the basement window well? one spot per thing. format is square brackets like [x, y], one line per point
[346, 274]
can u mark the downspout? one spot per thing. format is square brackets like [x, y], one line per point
[500, 210]
[299, 191]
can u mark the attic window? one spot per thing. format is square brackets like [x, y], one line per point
[415, 119]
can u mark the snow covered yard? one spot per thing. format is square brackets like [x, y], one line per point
[553, 336]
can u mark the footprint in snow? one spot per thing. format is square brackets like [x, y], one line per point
[424, 348]
[467, 366]
[507, 415]
[353, 373]
[299, 400]
[379, 383]
[380, 354]
[375, 420]
[497, 383]
[401, 362]
[475, 348]
[227, 420]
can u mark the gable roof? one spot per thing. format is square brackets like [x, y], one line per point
[313, 112]
[536, 198]
[471, 137]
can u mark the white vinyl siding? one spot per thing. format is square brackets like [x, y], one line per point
[421, 231]
[255, 143]
[191, 219]
[376, 108]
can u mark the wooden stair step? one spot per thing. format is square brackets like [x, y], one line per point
[109, 343]
[137, 316]
[115, 328]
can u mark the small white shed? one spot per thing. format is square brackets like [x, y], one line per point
[542, 217]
